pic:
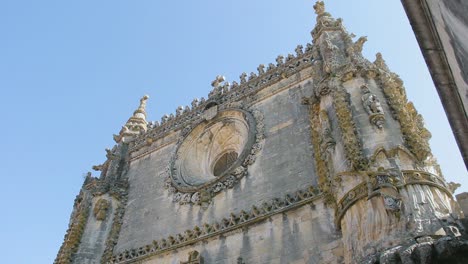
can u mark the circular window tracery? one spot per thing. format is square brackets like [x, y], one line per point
[224, 163]
[214, 155]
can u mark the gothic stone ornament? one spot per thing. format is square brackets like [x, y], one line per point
[320, 157]
[75, 230]
[412, 125]
[214, 155]
[353, 148]
[100, 209]
[372, 105]
[327, 141]
[194, 258]
[391, 203]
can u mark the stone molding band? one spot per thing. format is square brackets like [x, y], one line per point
[235, 221]
[368, 188]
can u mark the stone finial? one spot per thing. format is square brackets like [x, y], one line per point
[195, 103]
[453, 186]
[299, 50]
[279, 60]
[261, 69]
[217, 82]
[136, 124]
[360, 43]
[143, 100]
[243, 78]
[319, 8]
[380, 62]
[179, 110]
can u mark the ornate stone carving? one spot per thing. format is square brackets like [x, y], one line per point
[319, 157]
[351, 143]
[261, 69]
[194, 258]
[372, 105]
[319, 8]
[325, 87]
[100, 209]
[380, 62]
[327, 143]
[388, 179]
[243, 78]
[198, 184]
[279, 60]
[115, 229]
[392, 203]
[351, 197]
[75, 230]
[411, 122]
[225, 98]
[135, 125]
[453, 186]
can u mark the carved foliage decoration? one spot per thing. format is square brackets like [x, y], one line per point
[319, 157]
[352, 146]
[414, 133]
[100, 209]
[115, 230]
[75, 231]
[327, 143]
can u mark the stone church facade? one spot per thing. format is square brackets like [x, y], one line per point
[317, 158]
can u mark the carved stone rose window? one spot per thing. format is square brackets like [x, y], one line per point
[214, 155]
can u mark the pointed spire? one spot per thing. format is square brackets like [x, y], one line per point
[135, 125]
[142, 108]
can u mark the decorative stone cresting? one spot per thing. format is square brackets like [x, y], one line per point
[233, 221]
[226, 96]
[189, 177]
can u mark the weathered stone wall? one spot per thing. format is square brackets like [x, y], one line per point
[451, 23]
[283, 166]
[304, 235]
[93, 240]
[441, 28]
[331, 165]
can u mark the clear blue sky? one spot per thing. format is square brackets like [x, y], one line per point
[72, 72]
